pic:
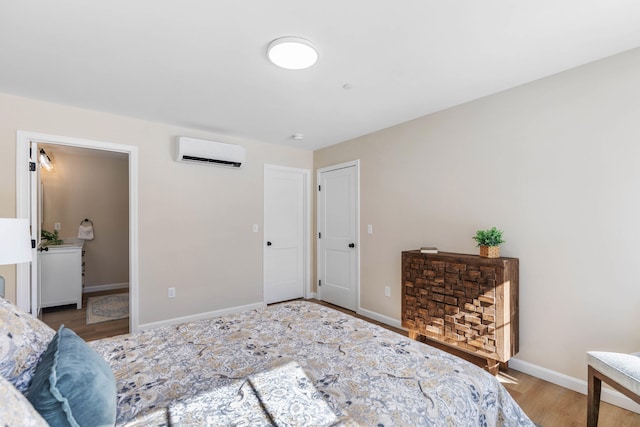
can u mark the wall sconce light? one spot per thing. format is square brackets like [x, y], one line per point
[45, 161]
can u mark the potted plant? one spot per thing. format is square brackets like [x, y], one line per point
[51, 238]
[489, 242]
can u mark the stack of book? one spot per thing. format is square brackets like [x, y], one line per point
[429, 250]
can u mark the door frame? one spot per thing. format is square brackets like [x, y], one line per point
[23, 142]
[306, 220]
[356, 164]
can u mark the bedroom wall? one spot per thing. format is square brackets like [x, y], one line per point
[90, 184]
[195, 222]
[556, 165]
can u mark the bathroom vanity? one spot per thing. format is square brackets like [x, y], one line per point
[60, 270]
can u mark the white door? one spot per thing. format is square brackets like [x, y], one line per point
[285, 225]
[35, 215]
[338, 235]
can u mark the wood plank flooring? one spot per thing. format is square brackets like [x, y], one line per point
[547, 404]
[76, 320]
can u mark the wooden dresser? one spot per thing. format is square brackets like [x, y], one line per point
[464, 301]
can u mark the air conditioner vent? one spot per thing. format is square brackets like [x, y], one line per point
[204, 160]
[209, 152]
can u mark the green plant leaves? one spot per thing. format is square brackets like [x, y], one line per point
[492, 237]
[51, 238]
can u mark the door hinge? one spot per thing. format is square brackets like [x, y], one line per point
[319, 235]
[319, 282]
[32, 166]
[319, 188]
[33, 244]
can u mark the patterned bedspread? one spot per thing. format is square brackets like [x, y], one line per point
[372, 375]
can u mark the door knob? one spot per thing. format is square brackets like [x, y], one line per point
[352, 245]
[268, 243]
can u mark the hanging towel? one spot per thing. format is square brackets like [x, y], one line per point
[85, 231]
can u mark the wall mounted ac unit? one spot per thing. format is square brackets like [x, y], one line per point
[209, 152]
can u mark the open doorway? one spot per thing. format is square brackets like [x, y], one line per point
[83, 255]
[61, 214]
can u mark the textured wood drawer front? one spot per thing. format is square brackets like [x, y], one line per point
[462, 300]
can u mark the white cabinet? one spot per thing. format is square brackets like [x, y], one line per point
[61, 276]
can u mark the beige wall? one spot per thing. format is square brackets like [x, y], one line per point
[195, 222]
[91, 184]
[556, 165]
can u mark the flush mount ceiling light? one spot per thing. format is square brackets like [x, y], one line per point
[292, 53]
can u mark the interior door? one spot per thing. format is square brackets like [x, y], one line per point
[35, 215]
[284, 233]
[338, 236]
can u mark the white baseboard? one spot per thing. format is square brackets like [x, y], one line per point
[200, 316]
[608, 395]
[312, 295]
[380, 318]
[98, 288]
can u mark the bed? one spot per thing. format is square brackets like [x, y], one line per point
[362, 374]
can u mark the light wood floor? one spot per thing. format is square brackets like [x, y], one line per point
[76, 320]
[546, 404]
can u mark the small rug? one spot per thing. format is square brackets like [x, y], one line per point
[107, 307]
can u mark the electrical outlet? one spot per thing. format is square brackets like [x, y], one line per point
[387, 291]
[171, 293]
[255, 228]
[370, 228]
[56, 226]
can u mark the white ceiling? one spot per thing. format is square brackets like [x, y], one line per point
[202, 63]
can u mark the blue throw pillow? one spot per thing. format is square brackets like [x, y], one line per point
[73, 385]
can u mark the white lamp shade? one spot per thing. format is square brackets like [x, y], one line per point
[15, 241]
